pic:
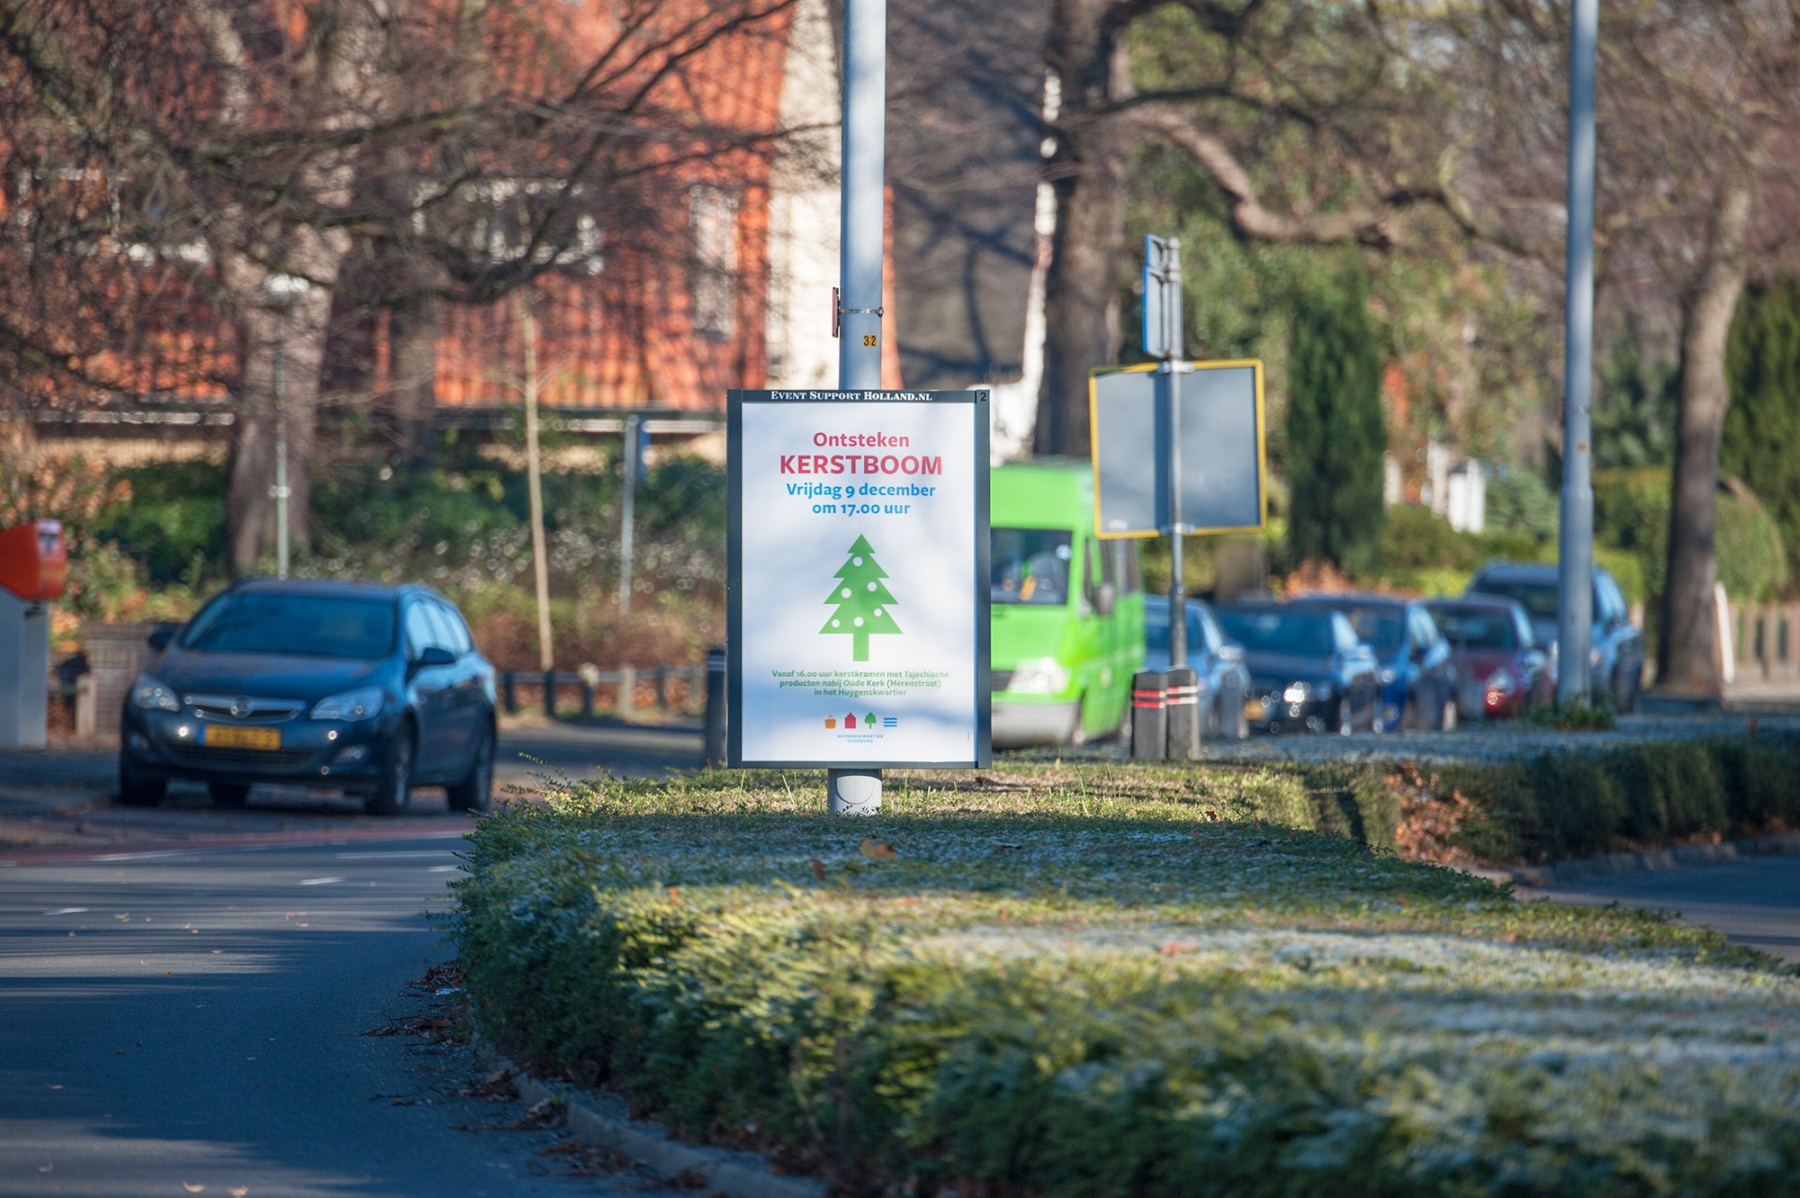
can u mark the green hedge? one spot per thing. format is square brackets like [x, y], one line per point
[1110, 983]
[1649, 795]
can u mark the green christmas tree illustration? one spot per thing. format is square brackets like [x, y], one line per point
[862, 601]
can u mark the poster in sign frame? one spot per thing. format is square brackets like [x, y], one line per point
[857, 579]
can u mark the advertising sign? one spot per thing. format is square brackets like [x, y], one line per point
[858, 583]
[1215, 431]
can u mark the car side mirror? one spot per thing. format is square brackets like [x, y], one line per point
[433, 655]
[1104, 599]
[161, 636]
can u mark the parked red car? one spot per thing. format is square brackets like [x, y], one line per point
[1497, 657]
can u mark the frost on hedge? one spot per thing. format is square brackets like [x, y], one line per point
[1141, 998]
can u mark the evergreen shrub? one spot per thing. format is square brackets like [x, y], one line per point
[1118, 982]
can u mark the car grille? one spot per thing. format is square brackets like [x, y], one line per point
[275, 759]
[244, 708]
[1000, 680]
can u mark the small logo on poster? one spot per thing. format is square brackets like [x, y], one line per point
[858, 728]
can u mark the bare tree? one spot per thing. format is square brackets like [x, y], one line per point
[1694, 101]
[1316, 123]
[168, 158]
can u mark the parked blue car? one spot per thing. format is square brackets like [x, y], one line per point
[1219, 661]
[1418, 674]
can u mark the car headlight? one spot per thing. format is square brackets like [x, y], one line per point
[1500, 682]
[1296, 692]
[1045, 676]
[151, 695]
[1388, 675]
[361, 704]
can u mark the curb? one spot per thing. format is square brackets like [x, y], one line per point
[1648, 861]
[734, 1174]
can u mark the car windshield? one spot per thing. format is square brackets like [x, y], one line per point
[1382, 628]
[1156, 630]
[1538, 599]
[304, 625]
[1303, 633]
[1031, 566]
[1476, 628]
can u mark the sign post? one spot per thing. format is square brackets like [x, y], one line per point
[856, 315]
[1162, 340]
[858, 581]
[1200, 425]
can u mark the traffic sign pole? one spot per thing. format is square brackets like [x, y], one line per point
[1163, 339]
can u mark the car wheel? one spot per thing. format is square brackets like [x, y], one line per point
[137, 790]
[395, 788]
[229, 794]
[473, 792]
[1346, 719]
[1447, 719]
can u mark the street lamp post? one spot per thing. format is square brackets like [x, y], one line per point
[280, 294]
[863, 207]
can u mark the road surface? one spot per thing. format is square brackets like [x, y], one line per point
[63, 798]
[199, 1022]
[1755, 902]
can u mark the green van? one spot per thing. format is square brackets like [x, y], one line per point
[1068, 609]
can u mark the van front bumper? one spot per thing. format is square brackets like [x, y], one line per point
[1019, 725]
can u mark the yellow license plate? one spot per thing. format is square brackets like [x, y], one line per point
[1254, 709]
[222, 737]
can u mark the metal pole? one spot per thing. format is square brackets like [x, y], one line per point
[863, 205]
[1171, 367]
[281, 449]
[1575, 611]
[534, 487]
[632, 423]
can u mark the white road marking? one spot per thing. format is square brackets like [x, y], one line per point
[319, 881]
[66, 911]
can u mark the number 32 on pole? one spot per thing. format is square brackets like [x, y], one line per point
[869, 340]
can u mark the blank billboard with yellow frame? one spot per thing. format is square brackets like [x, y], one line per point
[1222, 463]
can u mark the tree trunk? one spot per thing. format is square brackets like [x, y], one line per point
[413, 335]
[1688, 658]
[1081, 307]
[297, 338]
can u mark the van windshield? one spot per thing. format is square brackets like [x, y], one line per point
[1031, 566]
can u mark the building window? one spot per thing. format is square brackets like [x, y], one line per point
[712, 212]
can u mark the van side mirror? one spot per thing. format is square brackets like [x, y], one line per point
[1104, 598]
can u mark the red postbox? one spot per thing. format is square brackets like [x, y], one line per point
[34, 563]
